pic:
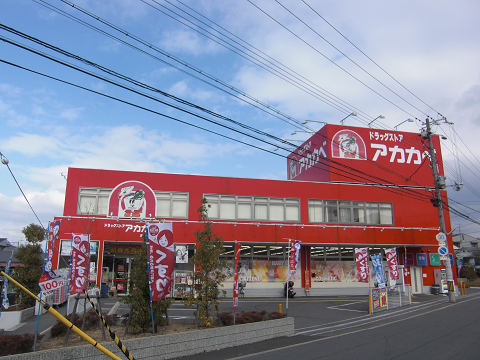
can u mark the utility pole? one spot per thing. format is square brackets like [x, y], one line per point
[438, 203]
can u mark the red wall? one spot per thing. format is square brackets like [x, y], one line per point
[408, 212]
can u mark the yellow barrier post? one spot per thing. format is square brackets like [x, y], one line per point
[280, 308]
[65, 321]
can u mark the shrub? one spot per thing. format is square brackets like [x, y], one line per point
[226, 318]
[91, 320]
[275, 315]
[16, 344]
[468, 271]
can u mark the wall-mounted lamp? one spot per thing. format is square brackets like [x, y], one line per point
[346, 117]
[315, 121]
[378, 117]
[404, 121]
[305, 131]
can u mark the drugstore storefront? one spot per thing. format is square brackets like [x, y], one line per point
[330, 220]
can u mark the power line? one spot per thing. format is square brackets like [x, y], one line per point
[111, 72]
[330, 60]
[5, 162]
[284, 72]
[217, 83]
[406, 191]
[349, 58]
[369, 58]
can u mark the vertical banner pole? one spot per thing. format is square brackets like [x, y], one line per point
[235, 279]
[40, 297]
[69, 275]
[236, 257]
[149, 283]
[288, 275]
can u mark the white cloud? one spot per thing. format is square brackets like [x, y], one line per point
[32, 144]
[71, 114]
[187, 42]
[9, 89]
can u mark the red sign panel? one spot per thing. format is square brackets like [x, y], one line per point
[132, 199]
[335, 153]
[391, 255]
[161, 258]
[361, 259]
[80, 263]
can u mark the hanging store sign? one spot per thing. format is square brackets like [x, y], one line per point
[378, 270]
[421, 259]
[52, 243]
[434, 259]
[161, 258]
[80, 263]
[384, 151]
[294, 255]
[361, 260]
[50, 281]
[391, 255]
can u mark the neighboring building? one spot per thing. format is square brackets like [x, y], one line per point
[467, 249]
[331, 215]
[6, 250]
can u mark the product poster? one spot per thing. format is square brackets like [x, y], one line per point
[160, 258]
[333, 271]
[379, 298]
[181, 254]
[80, 263]
[262, 270]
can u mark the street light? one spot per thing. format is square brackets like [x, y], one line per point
[378, 117]
[404, 121]
[4, 159]
[351, 114]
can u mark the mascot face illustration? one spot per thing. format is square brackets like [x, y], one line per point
[347, 144]
[131, 202]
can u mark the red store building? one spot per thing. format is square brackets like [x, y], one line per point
[348, 187]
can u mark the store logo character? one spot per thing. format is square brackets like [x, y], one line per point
[347, 144]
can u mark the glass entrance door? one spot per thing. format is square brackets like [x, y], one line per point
[417, 280]
[117, 262]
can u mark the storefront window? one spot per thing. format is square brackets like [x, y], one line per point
[349, 212]
[93, 201]
[252, 208]
[66, 252]
[172, 204]
[332, 212]
[315, 211]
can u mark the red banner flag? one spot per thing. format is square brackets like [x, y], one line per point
[361, 259]
[161, 258]
[80, 263]
[391, 255]
[238, 248]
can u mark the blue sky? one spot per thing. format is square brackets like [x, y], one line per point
[430, 47]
